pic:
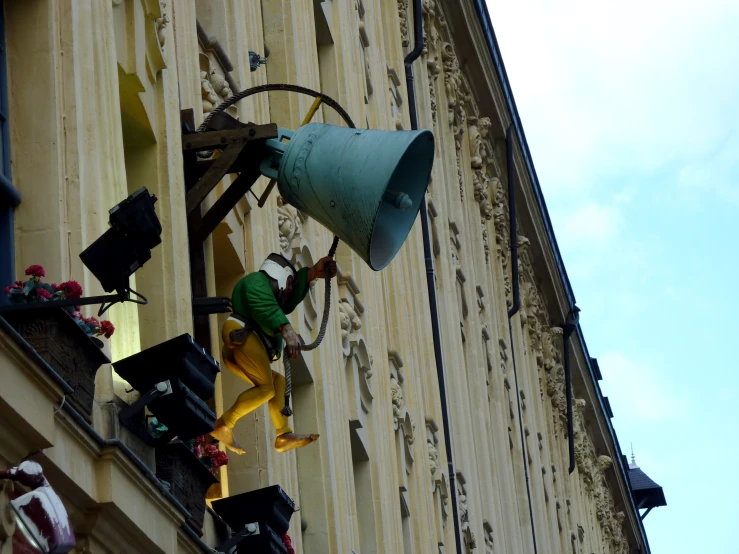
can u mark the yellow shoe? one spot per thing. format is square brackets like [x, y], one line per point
[288, 441]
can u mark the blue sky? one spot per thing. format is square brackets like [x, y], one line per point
[631, 111]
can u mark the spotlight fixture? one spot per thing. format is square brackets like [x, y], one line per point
[126, 246]
[115, 256]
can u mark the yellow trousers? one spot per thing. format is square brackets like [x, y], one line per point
[250, 362]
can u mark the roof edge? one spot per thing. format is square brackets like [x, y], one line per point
[487, 27]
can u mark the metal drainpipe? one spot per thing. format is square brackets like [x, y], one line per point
[568, 329]
[430, 279]
[516, 305]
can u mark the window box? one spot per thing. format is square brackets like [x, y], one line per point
[187, 477]
[66, 348]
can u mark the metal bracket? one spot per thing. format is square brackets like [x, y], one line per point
[249, 530]
[242, 149]
[212, 305]
[130, 416]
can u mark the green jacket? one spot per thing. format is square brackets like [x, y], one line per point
[253, 298]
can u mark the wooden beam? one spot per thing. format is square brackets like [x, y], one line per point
[214, 174]
[227, 201]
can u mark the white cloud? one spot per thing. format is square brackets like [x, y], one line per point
[636, 392]
[615, 88]
[590, 226]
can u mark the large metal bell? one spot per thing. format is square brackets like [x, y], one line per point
[365, 186]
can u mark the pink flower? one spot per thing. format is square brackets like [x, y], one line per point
[36, 271]
[287, 541]
[200, 440]
[70, 289]
[198, 453]
[106, 328]
[77, 315]
[43, 294]
[92, 320]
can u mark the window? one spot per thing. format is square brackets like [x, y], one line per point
[9, 195]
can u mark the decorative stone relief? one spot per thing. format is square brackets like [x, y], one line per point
[433, 19]
[396, 395]
[396, 98]
[457, 96]
[432, 441]
[350, 322]
[403, 15]
[464, 516]
[433, 215]
[591, 469]
[488, 528]
[502, 235]
[481, 153]
[290, 226]
[161, 23]
[404, 427]
[216, 82]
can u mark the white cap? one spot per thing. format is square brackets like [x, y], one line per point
[277, 272]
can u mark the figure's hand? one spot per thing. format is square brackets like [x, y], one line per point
[324, 268]
[292, 341]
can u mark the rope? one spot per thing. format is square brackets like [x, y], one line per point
[287, 411]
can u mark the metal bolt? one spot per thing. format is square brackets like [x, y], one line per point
[333, 204]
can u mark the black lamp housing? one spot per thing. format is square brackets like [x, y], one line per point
[176, 379]
[126, 246]
[270, 508]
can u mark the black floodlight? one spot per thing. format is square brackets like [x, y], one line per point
[175, 378]
[269, 507]
[126, 246]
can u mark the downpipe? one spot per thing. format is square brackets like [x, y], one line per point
[569, 327]
[430, 279]
[515, 307]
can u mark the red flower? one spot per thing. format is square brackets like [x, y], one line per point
[18, 285]
[106, 328]
[43, 294]
[288, 543]
[200, 440]
[36, 271]
[70, 289]
[92, 320]
[210, 450]
[221, 458]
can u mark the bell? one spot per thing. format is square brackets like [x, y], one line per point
[365, 186]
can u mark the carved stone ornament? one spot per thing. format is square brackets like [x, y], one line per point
[290, 227]
[464, 516]
[591, 468]
[403, 15]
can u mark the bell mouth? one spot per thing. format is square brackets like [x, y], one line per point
[401, 200]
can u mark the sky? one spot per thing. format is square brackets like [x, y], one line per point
[631, 112]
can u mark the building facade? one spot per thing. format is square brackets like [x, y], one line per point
[408, 462]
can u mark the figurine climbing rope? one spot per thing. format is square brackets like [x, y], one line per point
[253, 337]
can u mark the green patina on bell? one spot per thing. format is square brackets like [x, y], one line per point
[365, 186]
